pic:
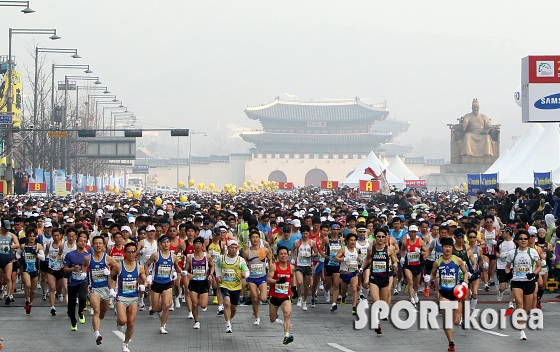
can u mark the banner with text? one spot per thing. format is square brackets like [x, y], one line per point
[543, 179]
[489, 181]
[285, 185]
[416, 183]
[473, 184]
[369, 186]
[329, 184]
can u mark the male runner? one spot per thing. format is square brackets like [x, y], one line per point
[348, 257]
[279, 278]
[412, 249]
[257, 257]
[77, 281]
[55, 278]
[31, 253]
[8, 243]
[303, 250]
[201, 269]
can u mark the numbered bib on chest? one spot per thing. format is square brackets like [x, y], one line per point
[164, 271]
[352, 265]
[257, 270]
[5, 249]
[447, 281]
[522, 269]
[199, 273]
[228, 275]
[129, 286]
[98, 276]
[413, 257]
[281, 289]
[379, 267]
[78, 276]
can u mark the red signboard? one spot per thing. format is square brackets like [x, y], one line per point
[544, 69]
[2, 186]
[285, 185]
[329, 184]
[369, 186]
[91, 189]
[38, 187]
[416, 183]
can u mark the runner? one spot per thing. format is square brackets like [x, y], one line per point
[130, 280]
[303, 250]
[348, 257]
[525, 264]
[363, 244]
[8, 243]
[216, 250]
[201, 269]
[412, 249]
[77, 280]
[279, 278]
[56, 274]
[231, 269]
[547, 255]
[146, 248]
[257, 258]
[448, 267]
[319, 262]
[474, 280]
[30, 254]
[490, 238]
[100, 292]
[332, 268]
[503, 249]
[161, 280]
[377, 264]
[44, 238]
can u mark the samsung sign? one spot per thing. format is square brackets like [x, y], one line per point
[549, 102]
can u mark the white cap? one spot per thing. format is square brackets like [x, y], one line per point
[47, 224]
[232, 242]
[131, 220]
[492, 190]
[70, 220]
[150, 228]
[99, 212]
[413, 228]
[532, 230]
[126, 228]
[296, 223]
[160, 212]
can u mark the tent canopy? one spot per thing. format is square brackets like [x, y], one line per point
[377, 166]
[399, 169]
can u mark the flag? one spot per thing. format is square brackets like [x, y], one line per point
[369, 171]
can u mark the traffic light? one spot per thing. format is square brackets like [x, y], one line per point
[133, 133]
[180, 133]
[86, 133]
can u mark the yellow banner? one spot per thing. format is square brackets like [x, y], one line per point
[16, 92]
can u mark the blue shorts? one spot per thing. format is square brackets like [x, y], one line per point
[319, 268]
[257, 281]
[347, 277]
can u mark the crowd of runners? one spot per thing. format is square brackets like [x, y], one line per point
[101, 253]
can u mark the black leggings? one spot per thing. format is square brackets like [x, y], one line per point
[80, 291]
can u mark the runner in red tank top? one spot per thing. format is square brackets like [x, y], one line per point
[318, 264]
[413, 250]
[279, 278]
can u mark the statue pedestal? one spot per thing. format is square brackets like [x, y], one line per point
[452, 175]
[473, 160]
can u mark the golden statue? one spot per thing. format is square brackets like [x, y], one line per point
[477, 140]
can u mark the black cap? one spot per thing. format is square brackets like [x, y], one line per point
[198, 239]
[286, 229]
[446, 241]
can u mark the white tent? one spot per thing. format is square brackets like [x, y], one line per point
[384, 161]
[505, 162]
[542, 154]
[399, 169]
[377, 166]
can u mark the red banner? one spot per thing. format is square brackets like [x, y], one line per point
[416, 183]
[38, 187]
[369, 186]
[91, 189]
[329, 184]
[68, 185]
[285, 185]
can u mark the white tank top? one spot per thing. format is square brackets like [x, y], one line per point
[363, 249]
[67, 250]
[304, 255]
[149, 249]
[350, 262]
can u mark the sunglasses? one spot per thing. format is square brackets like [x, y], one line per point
[472, 237]
[130, 252]
[523, 239]
[532, 235]
[489, 222]
[380, 236]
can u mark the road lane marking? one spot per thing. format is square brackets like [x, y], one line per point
[119, 334]
[492, 332]
[340, 347]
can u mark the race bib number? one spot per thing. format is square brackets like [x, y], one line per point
[303, 260]
[78, 276]
[352, 265]
[164, 272]
[215, 256]
[228, 275]
[129, 287]
[447, 281]
[379, 267]
[257, 270]
[522, 270]
[281, 289]
[413, 257]
[5, 249]
[199, 274]
[97, 276]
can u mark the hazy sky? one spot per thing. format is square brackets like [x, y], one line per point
[198, 64]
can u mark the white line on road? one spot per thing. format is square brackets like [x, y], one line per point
[492, 332]
[119, 334]
[340, 347]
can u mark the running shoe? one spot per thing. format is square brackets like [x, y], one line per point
[183, 300]
[343, 301]
[486, 288]
[491, 283]
[228, 328]
[28, 309]
[288, 339]
[61, 298]
[220, 312]
[522, 336]
[44, 296]
[395, 292]
[354, 312]
[191, 316]
[215, 300]
[8, 301]
[539, 306]
[125, 348]
[98, 339]
[426, 291]
[142, 308]
[327, 296]
[413, 302]
[312, 303]
[257, 321]
[81, 318]
[378, 330]
[53, 311]
[451, 346]
[334, 307]
[177, 303]
[163, 331]
[299, 302]
[500, 296]
[151, 311]
[416, 299]
[172, 308]
[304, 306]
[196, 325]
[204, 309]
[321, 286]
[74, 327]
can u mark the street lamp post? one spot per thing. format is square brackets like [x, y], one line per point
[11, 3]
[190, 150]
[9, 139]
[38, 50]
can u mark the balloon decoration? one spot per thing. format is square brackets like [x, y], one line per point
[212, 186]
[191, 182]
[137, 194]
[129, 195]
[117, 192]
[180, 184]
[456, 188]
[200, 186]
[249, 182]
[158, 201]
[111, 188]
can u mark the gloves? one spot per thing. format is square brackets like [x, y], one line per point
[141, 288]
[142, 251]
[543, 262]
[426, 278]
[112, 293]
[402, 261]
[149, 279]
[465, 284]
[106, 272]
[174, 276]
[417, 250]
[293, 262]
[494, 242]
[281, 280]
[361, 271]
[469, 274]
[485, 265]
[503, 255]
[184, 273]
[531, 276]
